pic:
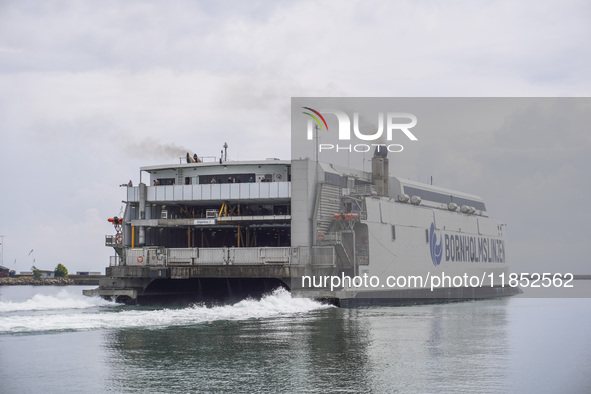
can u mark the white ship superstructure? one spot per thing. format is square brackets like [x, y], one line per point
[225, 229]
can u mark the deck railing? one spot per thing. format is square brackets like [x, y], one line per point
[208, 256]
[223, 191]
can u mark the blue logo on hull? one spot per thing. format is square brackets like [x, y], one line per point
[436, 249]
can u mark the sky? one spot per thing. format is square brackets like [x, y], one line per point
[91, 91]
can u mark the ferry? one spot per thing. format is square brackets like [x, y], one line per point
[221, 231]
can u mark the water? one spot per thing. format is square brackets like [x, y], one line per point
[54, 340]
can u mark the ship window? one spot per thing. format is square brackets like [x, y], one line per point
[427, 235]
[463, 201]
[393, 233]
[225, 178]
[187, 180]
[166, 181]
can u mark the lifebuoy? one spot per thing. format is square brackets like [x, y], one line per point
[119, 239]
[321, 236]
[140, 259]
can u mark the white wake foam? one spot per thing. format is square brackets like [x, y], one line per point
[279, 303]
[62, 300]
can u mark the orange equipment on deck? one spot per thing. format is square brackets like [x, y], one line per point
[346, 216]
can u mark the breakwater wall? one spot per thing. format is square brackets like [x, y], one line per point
[27, 281]
[82, 280]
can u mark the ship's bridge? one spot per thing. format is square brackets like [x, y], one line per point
[270, 170]
[207, 184]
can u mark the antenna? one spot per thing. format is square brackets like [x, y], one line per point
[225, 151]
[316, 136]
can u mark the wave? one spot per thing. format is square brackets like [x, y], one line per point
[278, 303]
[62, 300]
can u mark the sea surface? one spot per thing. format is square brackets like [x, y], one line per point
[54, 340]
